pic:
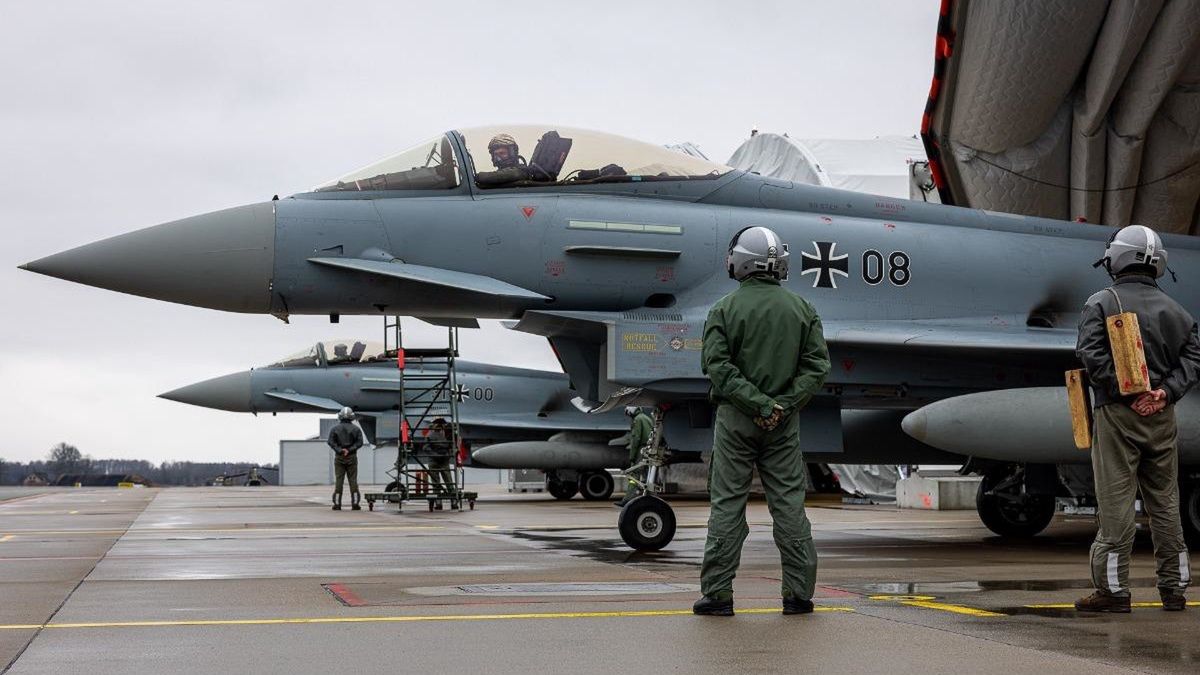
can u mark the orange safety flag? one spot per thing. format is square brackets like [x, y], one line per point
[400, 358]
[404, 431]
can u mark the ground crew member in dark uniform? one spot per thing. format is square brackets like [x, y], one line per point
[766, 356]
[641, 426]
[440, 442]
[1134, 442]
[345, 438]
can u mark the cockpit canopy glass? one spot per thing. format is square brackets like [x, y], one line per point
[532, 155]
[428, 166]
[334, 353]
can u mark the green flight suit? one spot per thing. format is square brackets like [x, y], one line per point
[763, 347]
[639, 435]
[345, 438]
[440, 443]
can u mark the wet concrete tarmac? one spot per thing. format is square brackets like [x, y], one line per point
[230, 580]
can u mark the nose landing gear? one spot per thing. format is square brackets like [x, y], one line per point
[647, 523]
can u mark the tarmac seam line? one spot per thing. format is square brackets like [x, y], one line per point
[39, 628]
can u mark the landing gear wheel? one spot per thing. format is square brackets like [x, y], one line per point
[647, 523]
[393, 486]
[1012, 514]
[1189, 511]
[561, 489]
[596, 486]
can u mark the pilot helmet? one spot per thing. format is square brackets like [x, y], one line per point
[1135, 245]
[632, 410]
[509, 145]
[757, 250]
[346, 414]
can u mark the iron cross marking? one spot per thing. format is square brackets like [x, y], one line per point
[460, 392]
[824, 264]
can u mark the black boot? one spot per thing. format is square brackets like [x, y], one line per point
[795, 605]
[337, 501]
[1173, 602]
[354, 499]
[707, 606]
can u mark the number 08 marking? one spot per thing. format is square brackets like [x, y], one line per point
[873, 268]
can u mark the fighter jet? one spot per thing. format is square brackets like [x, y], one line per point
[614, 250]
[527, 412]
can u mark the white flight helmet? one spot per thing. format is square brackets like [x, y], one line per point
[756, 250]
[632, 410]
[1134, 245]
[346, 414]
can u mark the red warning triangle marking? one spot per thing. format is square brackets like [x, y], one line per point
[528, 211]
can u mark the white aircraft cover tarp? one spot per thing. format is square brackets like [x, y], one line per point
[1069, 109]
[876, 482]
[880, 166]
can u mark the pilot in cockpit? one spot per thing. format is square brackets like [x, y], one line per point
[504, 151]
[340, 354]
[511, 167]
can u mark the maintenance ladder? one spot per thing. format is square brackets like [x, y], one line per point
[427, 462]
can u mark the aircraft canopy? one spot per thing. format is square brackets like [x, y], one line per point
[545, 156]
[334, 353]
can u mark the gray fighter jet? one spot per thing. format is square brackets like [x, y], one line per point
[614, 250]
[528, 413]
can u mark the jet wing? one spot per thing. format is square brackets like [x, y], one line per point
[432, 276]
[612, 356]
[314, 402]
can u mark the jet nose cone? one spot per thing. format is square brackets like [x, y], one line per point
[220, 260]
[228, 392]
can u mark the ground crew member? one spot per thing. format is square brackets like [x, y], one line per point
[766, 357]
[440, 440]
[345, 438]
[641, 426]
[1134, 442]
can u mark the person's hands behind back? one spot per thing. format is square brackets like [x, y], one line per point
[1150, 403]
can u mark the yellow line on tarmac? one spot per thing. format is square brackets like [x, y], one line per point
[928, 602]
[1071, 605]
[175, 530]
[392, 619]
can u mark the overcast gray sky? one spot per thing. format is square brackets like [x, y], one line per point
[121, 115]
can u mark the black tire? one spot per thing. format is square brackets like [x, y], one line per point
[647, 523]
[561, 489]
[1019, 517]
[1189, 512]
[393, 486]
[596, 486]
